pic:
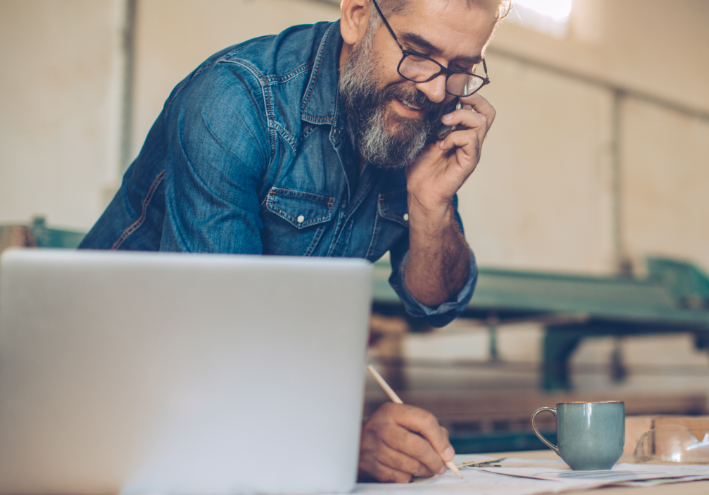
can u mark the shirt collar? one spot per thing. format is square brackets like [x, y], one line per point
[321, 102]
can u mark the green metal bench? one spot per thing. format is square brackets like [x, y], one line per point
[673, 298]
[37, 234]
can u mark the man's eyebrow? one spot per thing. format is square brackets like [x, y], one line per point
[423, 43]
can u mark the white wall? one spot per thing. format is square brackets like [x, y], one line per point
[543, 197]
[540, 195]
[666, 183]
[59, 100]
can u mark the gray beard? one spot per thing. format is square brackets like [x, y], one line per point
[366, 108]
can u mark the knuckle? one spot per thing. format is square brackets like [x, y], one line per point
[387, 409]
[419, 449]
[411, 466]
[429, 420]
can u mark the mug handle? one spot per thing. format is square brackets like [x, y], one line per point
[546, 442]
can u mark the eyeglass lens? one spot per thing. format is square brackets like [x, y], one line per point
[420, 69]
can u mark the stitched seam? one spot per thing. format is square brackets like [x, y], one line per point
[286, 216]
[302, 195]
[290, 75]
[307, 132]
[340, 217]
[316, 239]
[286, 136]
[389, 215]
[146, 202]
[266, 103]
[316, 63]
[375, 237]
[194, 75]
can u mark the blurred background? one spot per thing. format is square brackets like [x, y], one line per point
[599, 158]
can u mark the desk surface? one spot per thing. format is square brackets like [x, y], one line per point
[690, 488]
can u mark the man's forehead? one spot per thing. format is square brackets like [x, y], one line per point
[439, 26]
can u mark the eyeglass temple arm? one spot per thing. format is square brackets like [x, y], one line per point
[387, 25]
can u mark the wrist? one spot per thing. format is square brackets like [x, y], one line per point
[429, 218]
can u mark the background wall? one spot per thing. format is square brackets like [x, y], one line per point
[59, 108]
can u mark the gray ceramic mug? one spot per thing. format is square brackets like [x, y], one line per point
[590, 435]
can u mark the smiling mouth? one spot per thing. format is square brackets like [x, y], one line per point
[409, 106]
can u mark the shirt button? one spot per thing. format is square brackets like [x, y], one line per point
[300, 219]
[406, 217]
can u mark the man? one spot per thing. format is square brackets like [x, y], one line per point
[321, 141]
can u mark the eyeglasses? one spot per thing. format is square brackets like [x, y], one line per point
[420, 68]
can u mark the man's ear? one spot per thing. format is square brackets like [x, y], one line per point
[354, 20]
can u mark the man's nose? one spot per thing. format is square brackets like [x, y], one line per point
[435, 89]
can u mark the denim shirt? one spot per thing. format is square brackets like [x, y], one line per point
[251, 155]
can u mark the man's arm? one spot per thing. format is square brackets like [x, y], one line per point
[439, 257]
[215, 162]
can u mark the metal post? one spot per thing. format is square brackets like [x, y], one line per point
[623, 264]
[128, 47]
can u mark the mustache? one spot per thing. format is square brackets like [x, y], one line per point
[413, 97]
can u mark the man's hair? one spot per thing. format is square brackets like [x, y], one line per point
[400, 7]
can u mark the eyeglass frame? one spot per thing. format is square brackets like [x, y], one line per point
[444, 70]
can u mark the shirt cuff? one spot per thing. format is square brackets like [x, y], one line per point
[445, 312]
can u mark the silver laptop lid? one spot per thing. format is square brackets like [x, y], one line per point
[172, 373]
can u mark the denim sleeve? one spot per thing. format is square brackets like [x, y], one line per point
[445, 312]
[218, 150]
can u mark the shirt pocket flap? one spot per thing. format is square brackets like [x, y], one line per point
[300, 209]
[394, 206]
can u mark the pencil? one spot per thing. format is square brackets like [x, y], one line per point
[396, 400]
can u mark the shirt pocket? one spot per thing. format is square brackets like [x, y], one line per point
[301, 221]
[391, 223]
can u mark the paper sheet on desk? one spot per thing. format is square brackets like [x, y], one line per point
[619, 474]
[478, 482]
[537, 478]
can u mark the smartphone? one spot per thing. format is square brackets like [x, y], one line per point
[443, 130]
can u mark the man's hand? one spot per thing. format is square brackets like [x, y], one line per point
[443, 168]
[439, 257]
[399, 442]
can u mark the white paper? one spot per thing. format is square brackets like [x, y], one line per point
[619, 473]
[535, 477]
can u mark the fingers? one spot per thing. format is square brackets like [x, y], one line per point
[425, 424]
[478, 103]
[425, 460]
[400, 441]
[400, 462]
[468, 119]
[375, 470]
[476, 114]
[467, 145]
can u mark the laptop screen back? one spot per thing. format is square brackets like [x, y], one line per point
[172, 373]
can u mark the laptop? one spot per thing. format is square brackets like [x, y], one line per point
[143, 373]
